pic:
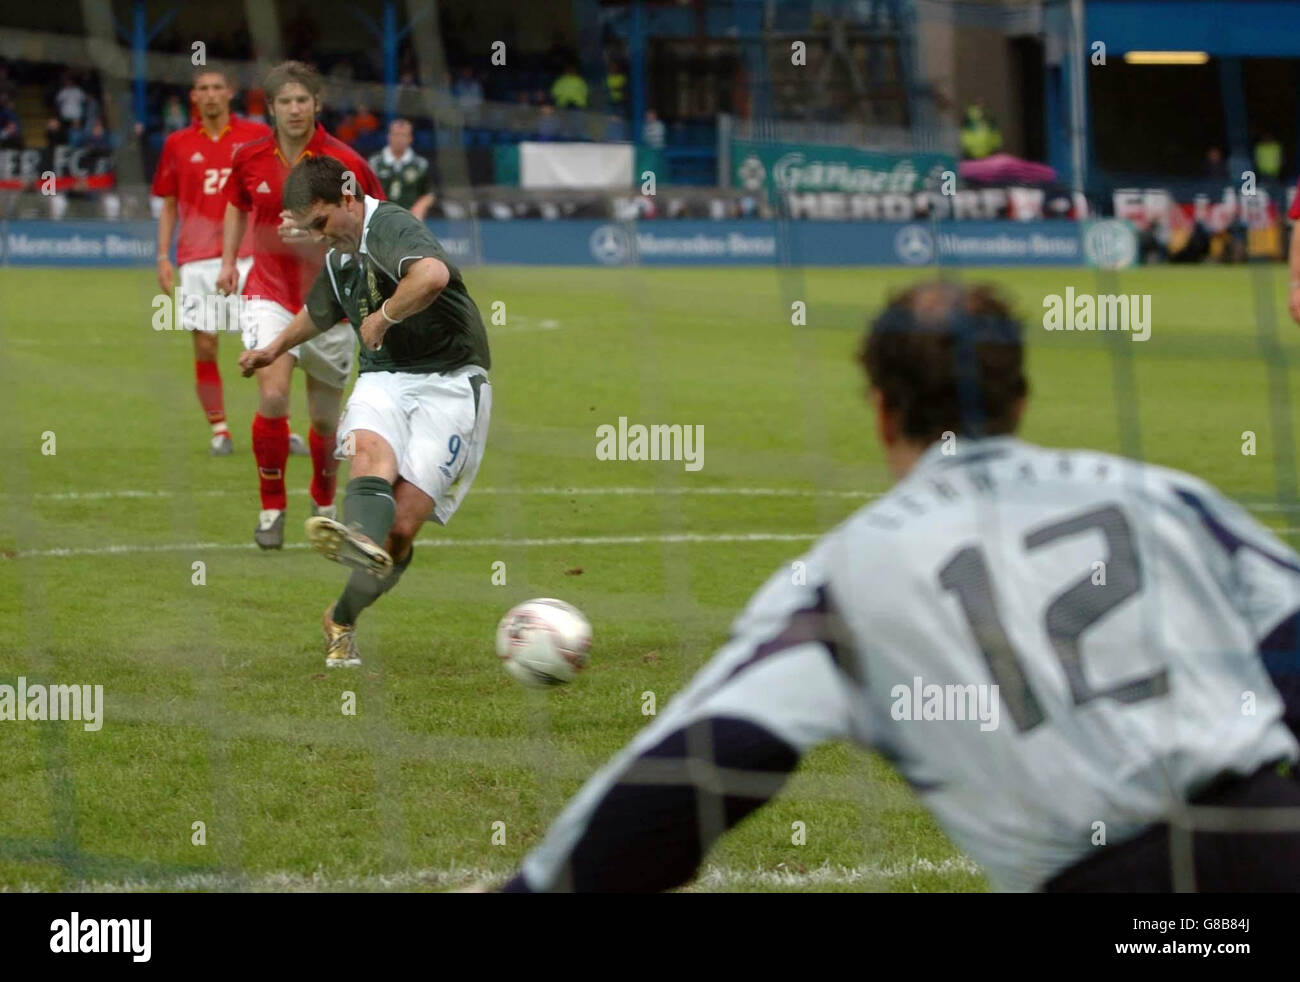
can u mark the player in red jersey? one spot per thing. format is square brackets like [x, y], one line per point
[1293, 213]
[286, 260]
[191, 179]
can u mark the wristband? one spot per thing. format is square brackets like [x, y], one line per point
[383, 309]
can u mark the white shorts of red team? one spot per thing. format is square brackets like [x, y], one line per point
[436, 423]
[327, 356]
[198, 279]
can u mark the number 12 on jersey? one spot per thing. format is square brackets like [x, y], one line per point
[1068, 615]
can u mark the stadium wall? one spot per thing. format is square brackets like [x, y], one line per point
[682, 242]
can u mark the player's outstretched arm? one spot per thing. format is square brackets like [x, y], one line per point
[723, 748]
[301, 328]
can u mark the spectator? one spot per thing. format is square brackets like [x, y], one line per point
[520, 118]
[357, 125]
[93, 112]
[404, 173]
[1215, 165]
[254, 100]
[174, 115]
[97, 141]
[570, 89]
[340, 84]
[653, 130]
[70, 104]
[615, 86]
[7, 85]
[1268, 158]
[615, 128]
[11, 136]
[980, 136]
[469, 94]
[408, 98]
[548, 124]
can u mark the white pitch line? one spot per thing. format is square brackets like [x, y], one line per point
[540, 492]
[711, 877]
[720, 491]
[573, 540]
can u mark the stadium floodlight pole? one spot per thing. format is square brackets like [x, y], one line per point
[637, 75]
[1077, 81]
[139, 39]
[390, 39]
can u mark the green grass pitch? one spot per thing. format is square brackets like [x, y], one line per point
[218, 707]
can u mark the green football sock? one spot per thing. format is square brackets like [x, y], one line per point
[398, 570]
[363, 590]
[369, 504]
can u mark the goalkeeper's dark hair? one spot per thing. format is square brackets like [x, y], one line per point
[318, 178]
[947, 357]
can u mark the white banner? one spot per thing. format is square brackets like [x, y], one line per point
[575, 165]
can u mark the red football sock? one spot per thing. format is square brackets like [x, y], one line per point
[207, 378]
[324, 468]
[271, 448]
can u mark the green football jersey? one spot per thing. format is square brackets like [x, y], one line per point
[405, 180]
[446, 335]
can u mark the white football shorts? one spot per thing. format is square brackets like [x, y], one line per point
[436, 423]
[202, 307]
[327, 356]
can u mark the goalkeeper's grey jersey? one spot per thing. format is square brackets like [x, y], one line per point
[1123, 611]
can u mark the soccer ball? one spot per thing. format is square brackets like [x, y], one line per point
[543, 642]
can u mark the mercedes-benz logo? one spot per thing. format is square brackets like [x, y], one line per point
[610, 245]
[914, 245]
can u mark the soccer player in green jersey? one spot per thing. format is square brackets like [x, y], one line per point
[416, 423]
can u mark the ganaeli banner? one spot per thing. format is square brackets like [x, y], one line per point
[782, 168]
[60, 168]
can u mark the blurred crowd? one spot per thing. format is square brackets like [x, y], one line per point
[544, 97]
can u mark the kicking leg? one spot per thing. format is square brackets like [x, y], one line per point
[369, 509]
[413, 509]
[373, 505]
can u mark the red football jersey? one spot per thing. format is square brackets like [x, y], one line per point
[282, 272]
[1293, 212]
[193, 169]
